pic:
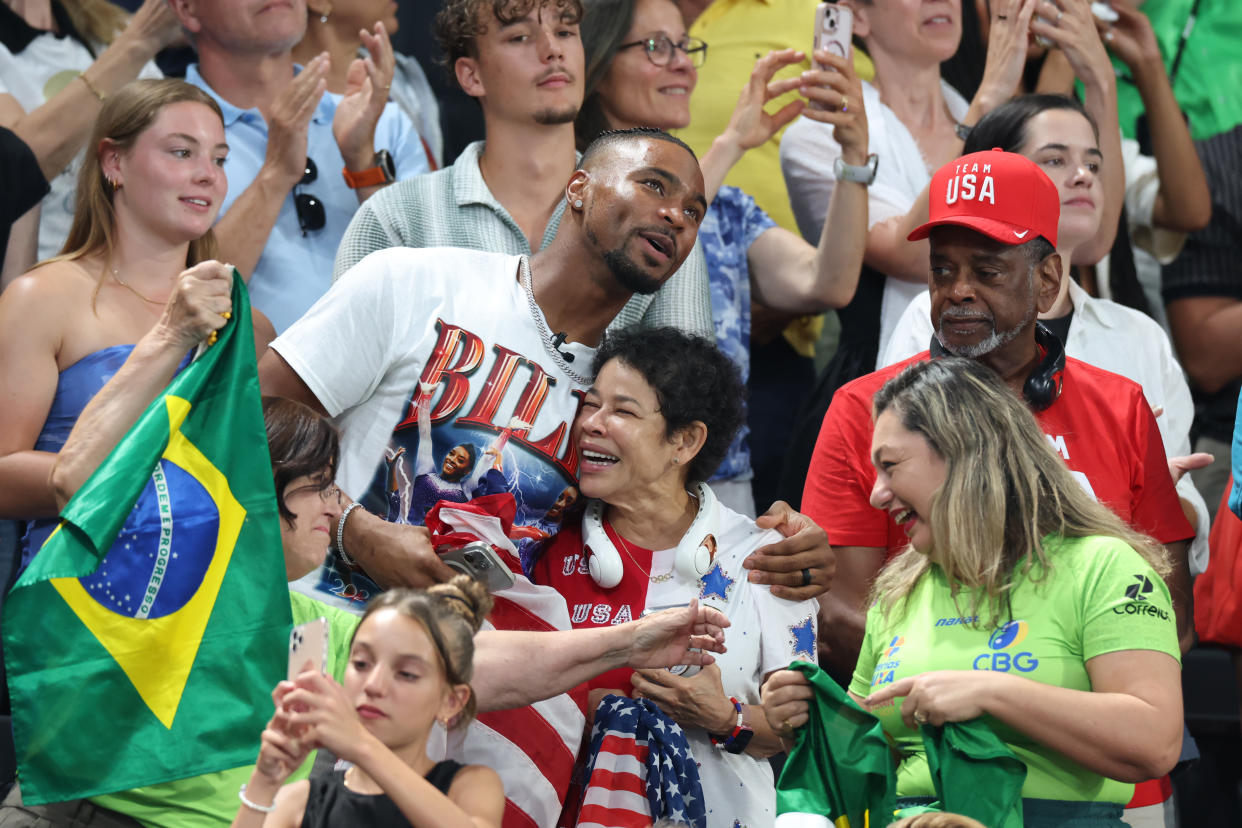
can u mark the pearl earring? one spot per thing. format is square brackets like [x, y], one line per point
[578, 204]
[323, 18]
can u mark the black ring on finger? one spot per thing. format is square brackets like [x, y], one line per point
[806, 577]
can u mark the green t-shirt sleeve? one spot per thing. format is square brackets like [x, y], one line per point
[1124, 604]
[868, 656]
[210, 800]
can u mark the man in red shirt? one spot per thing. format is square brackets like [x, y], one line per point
[994, 267]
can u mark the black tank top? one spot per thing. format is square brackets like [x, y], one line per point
[329, 804]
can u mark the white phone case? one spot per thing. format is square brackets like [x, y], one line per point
[834, 26]
[308, 643]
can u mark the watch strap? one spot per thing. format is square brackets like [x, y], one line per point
[863, 174]
[370, 177]
[384, 172]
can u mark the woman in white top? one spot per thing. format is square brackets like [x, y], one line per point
[58, 63]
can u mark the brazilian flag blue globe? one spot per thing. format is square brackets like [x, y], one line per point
[143, 640]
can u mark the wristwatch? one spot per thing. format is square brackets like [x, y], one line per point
[863, 175]
[962, 131]
[383, 172]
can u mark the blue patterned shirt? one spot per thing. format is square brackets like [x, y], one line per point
[729, 229]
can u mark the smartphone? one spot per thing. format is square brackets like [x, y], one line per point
[834, 27]
[308, 647]
[481, 562]
[683, 670]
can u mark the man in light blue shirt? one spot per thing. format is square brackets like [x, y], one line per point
[301, 159]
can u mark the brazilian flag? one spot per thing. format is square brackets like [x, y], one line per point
[144, 639]
[840, 773]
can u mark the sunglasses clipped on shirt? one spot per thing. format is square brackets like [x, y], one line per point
[309, 208]
[660, 49]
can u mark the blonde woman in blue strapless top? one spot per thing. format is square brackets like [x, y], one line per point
[138, 258]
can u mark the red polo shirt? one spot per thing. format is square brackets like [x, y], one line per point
[1101, 425]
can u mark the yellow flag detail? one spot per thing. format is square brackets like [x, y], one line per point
[158, 653]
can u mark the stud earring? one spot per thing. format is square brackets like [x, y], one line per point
[577, 204]
[323, 17]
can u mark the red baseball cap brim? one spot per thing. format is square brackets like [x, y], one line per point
[1001, 231]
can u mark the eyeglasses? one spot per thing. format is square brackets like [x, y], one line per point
[328, 492]
[660, 49]
[309, 208]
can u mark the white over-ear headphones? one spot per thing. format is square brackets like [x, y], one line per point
[694, 555]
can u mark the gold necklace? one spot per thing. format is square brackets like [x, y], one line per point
[655, 579]
[116, 275]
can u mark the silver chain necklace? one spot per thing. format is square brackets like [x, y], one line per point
[544, 333]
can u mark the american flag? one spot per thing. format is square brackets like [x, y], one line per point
[639, 769]
[531, 748]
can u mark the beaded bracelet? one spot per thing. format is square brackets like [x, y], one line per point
[723, 742]
[254, 806]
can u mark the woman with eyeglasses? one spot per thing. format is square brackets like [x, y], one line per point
[150, 187]
[641, 70]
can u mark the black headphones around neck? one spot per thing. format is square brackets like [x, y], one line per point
[1043, 386]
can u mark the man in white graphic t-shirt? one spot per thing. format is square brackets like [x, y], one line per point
[507, 359]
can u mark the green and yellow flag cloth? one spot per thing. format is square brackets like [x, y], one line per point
[143, 640]
[840, 773]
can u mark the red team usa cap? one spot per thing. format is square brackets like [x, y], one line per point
[1002, 195]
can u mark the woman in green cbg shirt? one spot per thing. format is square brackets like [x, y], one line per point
[1020, 600]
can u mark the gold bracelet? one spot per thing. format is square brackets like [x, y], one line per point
[94, 89]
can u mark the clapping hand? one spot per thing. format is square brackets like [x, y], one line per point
[289, 119]
[155, 25]
[366, 93]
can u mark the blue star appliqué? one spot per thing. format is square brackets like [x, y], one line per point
[715, 583]
[804, 638]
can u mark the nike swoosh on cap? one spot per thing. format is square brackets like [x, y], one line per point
[1021, 235]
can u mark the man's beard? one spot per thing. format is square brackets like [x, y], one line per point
[552, 117]
[629, 275]
[996, 339]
